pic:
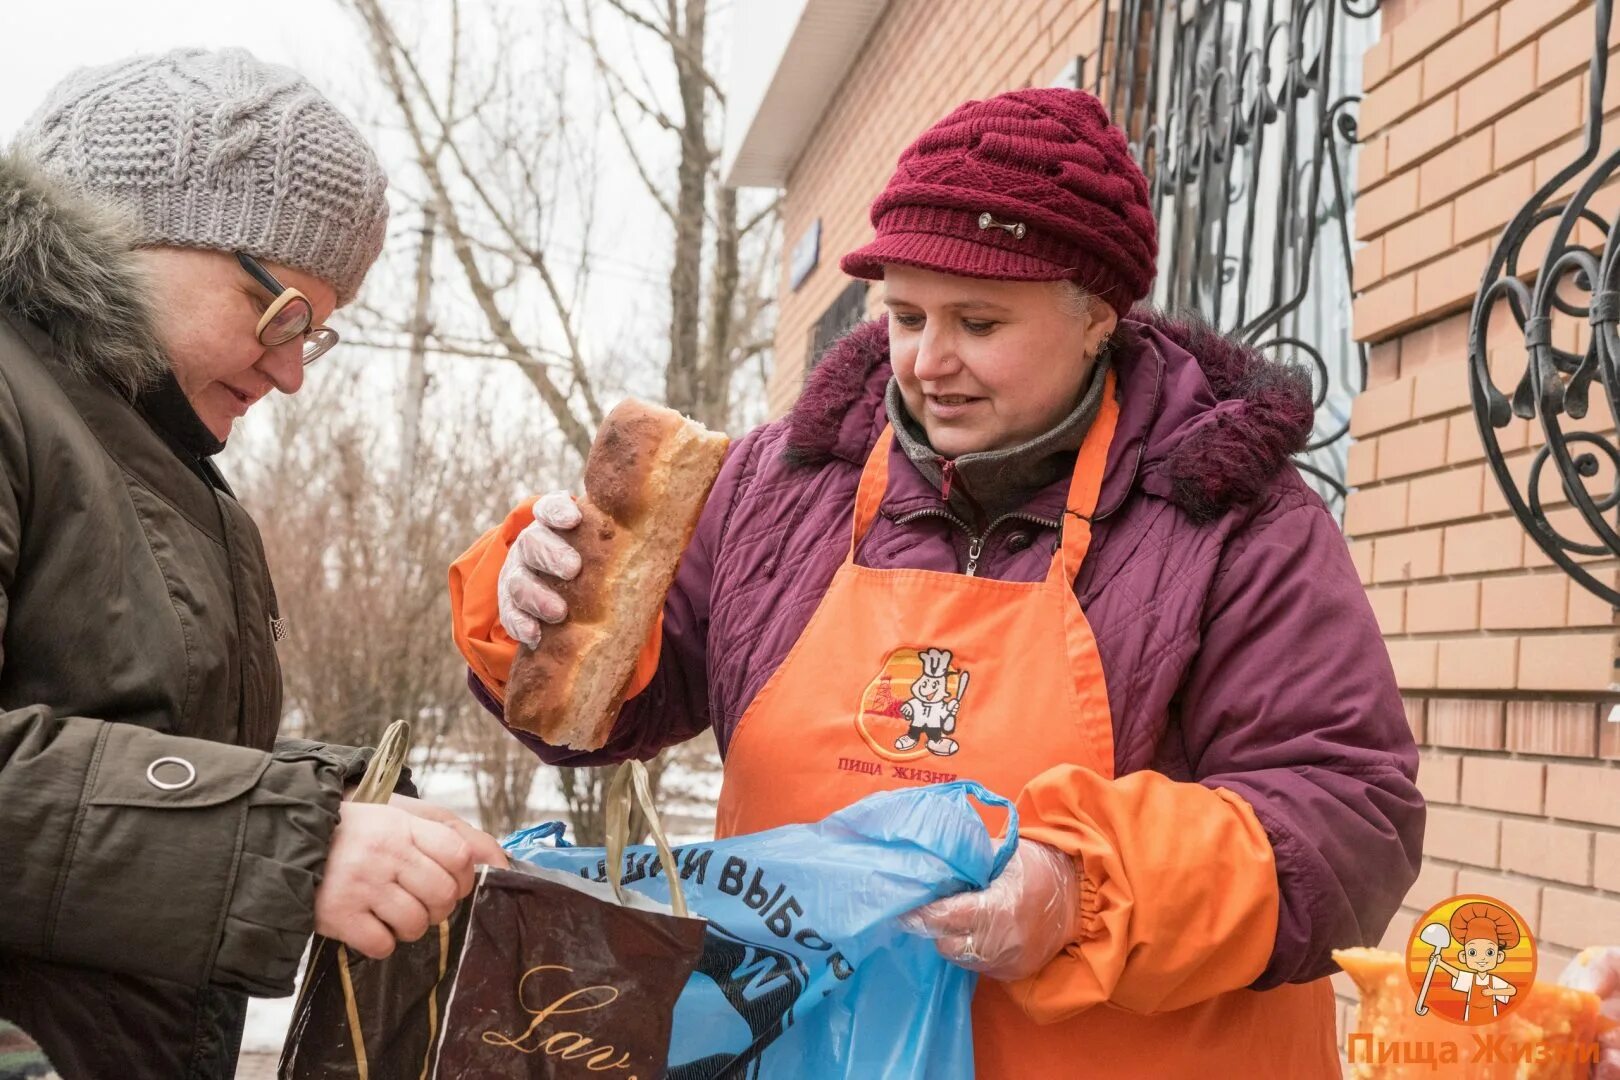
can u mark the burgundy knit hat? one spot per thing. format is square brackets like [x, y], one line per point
[1032, 185]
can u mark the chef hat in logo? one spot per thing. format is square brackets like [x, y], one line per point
[936, 662]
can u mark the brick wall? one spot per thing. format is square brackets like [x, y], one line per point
[923, 58]
[1508, 666]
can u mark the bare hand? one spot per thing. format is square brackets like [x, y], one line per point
[487, 851]
[390, 875]
[525, 598]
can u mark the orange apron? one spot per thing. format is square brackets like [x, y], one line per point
[915, 676]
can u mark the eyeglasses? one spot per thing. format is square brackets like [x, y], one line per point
[289, 315]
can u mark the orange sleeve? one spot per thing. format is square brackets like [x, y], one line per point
[1178, 896]
[475, 620]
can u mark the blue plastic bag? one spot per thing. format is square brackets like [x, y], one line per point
[805, 971]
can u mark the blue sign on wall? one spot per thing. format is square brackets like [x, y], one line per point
[806, 253]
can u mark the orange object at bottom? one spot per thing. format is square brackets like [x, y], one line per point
[1551, 1036]
[1281, 1034]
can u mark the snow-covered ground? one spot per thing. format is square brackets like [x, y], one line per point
[687, 813]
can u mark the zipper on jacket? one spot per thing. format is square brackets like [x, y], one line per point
[976, 541]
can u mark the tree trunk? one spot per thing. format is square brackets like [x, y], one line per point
[714, 403]
[686, 275]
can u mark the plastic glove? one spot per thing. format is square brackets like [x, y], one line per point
[525, 599]
[1597, 970]
[1013, 928]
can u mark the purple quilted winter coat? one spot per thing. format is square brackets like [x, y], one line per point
[1238, 648]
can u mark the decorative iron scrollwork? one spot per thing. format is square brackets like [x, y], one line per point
[1242, 114]
[1556, 383]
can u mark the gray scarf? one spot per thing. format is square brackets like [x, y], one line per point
[1001, 481]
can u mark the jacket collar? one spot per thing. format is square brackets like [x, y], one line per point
[67, 266]
[1205, 421]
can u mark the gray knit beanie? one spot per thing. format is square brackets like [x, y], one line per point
[219, 150]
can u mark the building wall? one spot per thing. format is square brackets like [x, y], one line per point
[1470, 105]
[1506, 665]
[924, 58]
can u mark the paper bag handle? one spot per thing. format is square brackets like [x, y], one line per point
[629, 783]
[382, 771]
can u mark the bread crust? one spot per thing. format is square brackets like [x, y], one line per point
[646, 479]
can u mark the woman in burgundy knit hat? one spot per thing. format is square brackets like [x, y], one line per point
[1023, 531]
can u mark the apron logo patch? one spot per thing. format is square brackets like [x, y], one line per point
[911, 709]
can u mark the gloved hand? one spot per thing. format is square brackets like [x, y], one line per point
[524, 598]
[1598, 970]
[1013, 928]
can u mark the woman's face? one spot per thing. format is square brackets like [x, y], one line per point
[984, 365]
[207, 313]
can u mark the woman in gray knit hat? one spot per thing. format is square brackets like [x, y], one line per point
[174, 232]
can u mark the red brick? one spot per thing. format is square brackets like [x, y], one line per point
[1383, 363]
[1435, 882]
[1381, 408]
[1425, 26]
[1519, 894]
[1373, 164]
[1418, 240]
[1514, 787]
[1609, 732]
[1439, 776]
[1415, 449]
[1367, 265]
[1452, 280]
[1531, 602]
[1441, 387]
[1493, 92]
[1586, 608]
[1559, 728]
[1389, 607]
[1474, 8]
[1361, 557]
[1361, 462]
[1384, 307]
[1543, 850]
[1484, 210]
[1579, 662]
[1606, 862]
[1425, 131]
[1414, 663]
[1466, 836]
[1454, 168]
[1407, 557]
[1447, 496]
[1584, 793]
[1465, 723]
[1578, 919]
[1477, 663]
[1483, 546]
[1566, 48]
[1416, 708]
[1459, 56]
[1524, 19]
[1538, 123]
[1396, 199]
[1441, 342]
[1567, 522]
[1443, 607]
[1375, 510]
[1463, 445]
[1393, 99]
[1375, 62]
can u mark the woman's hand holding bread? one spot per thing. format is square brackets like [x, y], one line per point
[526, 599]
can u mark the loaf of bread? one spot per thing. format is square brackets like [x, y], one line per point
[646, 479]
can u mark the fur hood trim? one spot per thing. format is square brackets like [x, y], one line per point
[69, 266]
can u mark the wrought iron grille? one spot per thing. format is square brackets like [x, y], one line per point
[1243, 115]
[1572, 283]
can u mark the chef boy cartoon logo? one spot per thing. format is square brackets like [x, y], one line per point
[1471, 960]
[911, 709]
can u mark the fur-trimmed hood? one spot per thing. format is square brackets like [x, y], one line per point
[68, 266]
[1222, 421]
